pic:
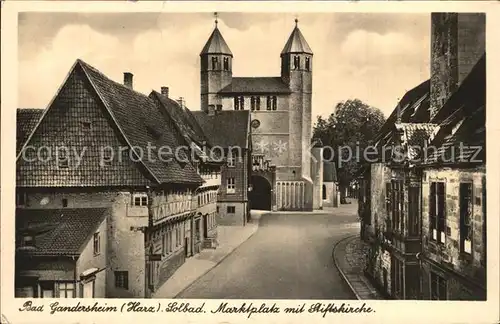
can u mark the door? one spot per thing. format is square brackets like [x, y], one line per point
[88, 290]
[205, 226]
[47, 289]
[186, 247]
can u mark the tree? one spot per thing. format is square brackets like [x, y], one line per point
[345, 134]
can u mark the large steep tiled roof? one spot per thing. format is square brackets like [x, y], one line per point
[180, 117]
[136, 122]
[225, 128]
[216, 44]
[296, 43]
[412, 108]
[59, 231]
[187, 127]
[256, 85]
[25, 123]
[461, 138]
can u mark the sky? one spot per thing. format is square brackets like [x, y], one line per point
[374, 57]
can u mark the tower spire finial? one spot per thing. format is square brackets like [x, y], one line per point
[216, 20]
[296, 21]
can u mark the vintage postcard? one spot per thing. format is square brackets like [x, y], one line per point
[232, 162]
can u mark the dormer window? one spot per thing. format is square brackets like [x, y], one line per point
[215, 63]
[226, 64]
[63, 161]
[86, 125]
[27, 241]
[308, 64]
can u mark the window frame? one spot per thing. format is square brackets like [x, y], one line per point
[437, 212]
[143, 200]
[121, 275]
[96, 243]
[231, 185]
[466, 223]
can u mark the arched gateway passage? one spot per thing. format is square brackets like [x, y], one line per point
[260, 196]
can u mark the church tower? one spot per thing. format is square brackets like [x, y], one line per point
[216, 70]
[296, 72]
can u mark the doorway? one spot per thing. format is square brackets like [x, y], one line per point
[260, 196]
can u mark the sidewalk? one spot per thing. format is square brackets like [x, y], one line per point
[229, 237]
[349, 255]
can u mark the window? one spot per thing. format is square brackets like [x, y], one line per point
[21, 198]
[215, 63]
[239, 103]
[388, 199]
[231, 209]
[231, 188]
[231, 158]
[236, 103]
[308, 63]
[27, 241]
[274, 102]
[296, 62]
[86, 125]
[65, 202]
[324, 192]
[466, 217]
[62, 160]
[269, 103]
[257, 103]
[140, 200]
[226, 64]
[242, 103]
[413, 211]
[437, 212]
[97, 243]
[253, 102]
[438, 287]
[217, 209]
[121, 279]
[398, 205]
[66, 290]
[219, 107]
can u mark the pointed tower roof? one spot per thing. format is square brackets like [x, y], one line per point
[296, 42]
[216, 44]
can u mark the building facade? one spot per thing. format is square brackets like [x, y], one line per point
[420, 214]
[281, 120]
[98, 145]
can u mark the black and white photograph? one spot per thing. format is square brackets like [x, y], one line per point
[254, 156]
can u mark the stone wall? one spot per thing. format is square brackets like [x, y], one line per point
[471, 266]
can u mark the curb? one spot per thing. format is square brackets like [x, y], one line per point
[216, 264]
[339, 268]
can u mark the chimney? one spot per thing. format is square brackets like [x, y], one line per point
[164, 91]
[127, 80]
[180, 101]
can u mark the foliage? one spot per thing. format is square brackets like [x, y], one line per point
[352, 124]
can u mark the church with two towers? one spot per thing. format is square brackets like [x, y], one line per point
[286, 168]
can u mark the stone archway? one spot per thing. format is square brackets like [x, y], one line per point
[261, 194]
